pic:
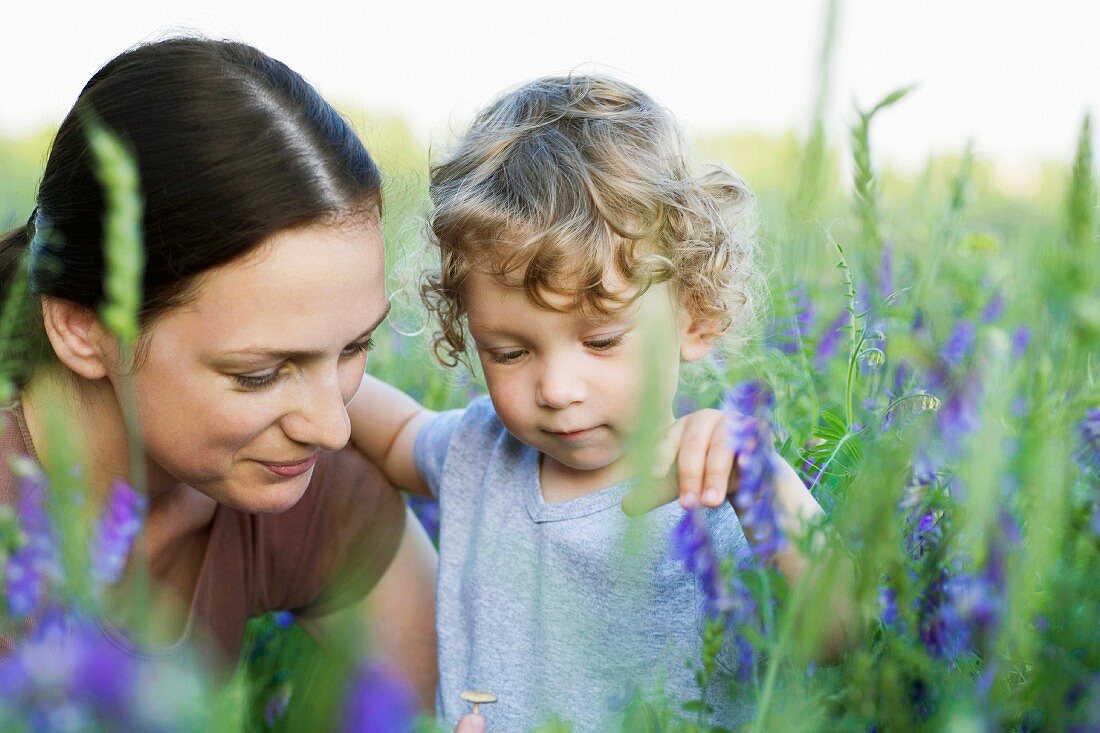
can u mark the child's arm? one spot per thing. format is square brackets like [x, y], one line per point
[384, 424]
[699, 443]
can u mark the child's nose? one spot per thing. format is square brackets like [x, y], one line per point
[558, 388]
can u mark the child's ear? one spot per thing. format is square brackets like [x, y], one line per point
[697, 337]
[78, 337]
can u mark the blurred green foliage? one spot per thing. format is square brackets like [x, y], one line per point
[960, 231]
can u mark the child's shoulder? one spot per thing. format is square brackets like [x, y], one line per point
[481, 410]
[476, 424]
[457, 446]
[478, 417]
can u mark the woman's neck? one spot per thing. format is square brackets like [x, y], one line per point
[64, 413]
[85, 418]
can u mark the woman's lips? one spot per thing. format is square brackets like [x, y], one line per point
[290, 469]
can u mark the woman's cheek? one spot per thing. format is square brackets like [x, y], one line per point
[351, 376]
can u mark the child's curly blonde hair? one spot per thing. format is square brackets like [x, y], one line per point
[567, 177]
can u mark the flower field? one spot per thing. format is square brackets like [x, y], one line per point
[930, 362]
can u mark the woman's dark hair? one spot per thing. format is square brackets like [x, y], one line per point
[231, 145]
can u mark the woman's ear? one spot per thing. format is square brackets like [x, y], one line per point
[78, 337]
[697, 337]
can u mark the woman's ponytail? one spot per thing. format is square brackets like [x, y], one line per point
[18, 333]
[13, 247]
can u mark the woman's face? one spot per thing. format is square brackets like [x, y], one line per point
[241, 387]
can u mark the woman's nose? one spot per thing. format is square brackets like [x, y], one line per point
[321, 417]
[560, 386]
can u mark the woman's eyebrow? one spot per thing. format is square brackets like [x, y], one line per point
[304, 353]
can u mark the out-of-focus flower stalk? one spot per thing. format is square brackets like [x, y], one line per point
[747, 407]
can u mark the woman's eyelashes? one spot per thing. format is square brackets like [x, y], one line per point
[359, 347]
[260, 381]
[256, 381]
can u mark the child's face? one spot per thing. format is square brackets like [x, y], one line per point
[571, 388]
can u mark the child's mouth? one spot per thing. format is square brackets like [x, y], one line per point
[573, 435]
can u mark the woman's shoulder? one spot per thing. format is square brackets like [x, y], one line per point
[13, 443]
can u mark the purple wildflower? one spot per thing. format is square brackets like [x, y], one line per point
[745, 656]
[925, 534]
[918, 324]
[747, 406]
[943, 633]
[788, 334]
[964, 609]
[803, 320]
[276, 707]
[378, 701]
[1021, 339]
[886, 272]
[994, 308]
[902, 375]
[118, 527]
[23, 584]
[958, 417]
[830, 340]
[959, 344]
[976, 601]
[1084, 699]
[36, 562]
[923, 470]
[427, 511]
[811, 472]
[1088, 456]
[863, 299]
[730, 601]
[924, 531]
[66, 658]
[888, 606]
[691, 545]
[748, 398]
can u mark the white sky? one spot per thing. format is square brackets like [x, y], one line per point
[1014, 75]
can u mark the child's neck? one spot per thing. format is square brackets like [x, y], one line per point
[560, 483]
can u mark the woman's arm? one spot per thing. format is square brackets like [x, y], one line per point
[395, 623]
[400, 613]
[384, 424]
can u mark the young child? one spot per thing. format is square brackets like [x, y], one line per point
[583, 262]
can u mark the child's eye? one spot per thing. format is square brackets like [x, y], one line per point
[605, 343]
[505, 357]
[359, 347]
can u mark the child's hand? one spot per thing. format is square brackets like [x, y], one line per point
[698, 445]
[471, 724]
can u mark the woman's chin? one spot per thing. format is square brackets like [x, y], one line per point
[267, 498]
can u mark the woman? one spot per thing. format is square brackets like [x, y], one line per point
[262, 286]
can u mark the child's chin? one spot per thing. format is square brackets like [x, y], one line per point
[585, 463]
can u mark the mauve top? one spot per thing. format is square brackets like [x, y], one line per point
[323, 553]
